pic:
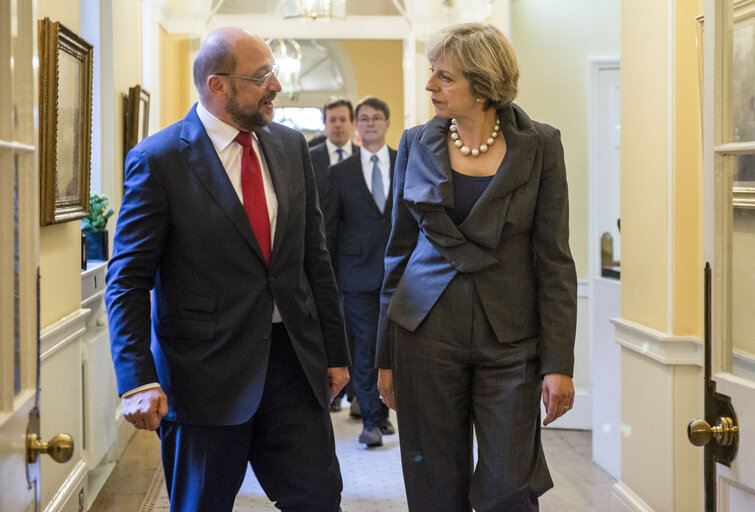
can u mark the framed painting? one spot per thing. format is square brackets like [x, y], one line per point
[65, 122]
[136, 108]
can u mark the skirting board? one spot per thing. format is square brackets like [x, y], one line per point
[623, 499]
[74, 484]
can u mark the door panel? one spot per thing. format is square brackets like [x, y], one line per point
[19, 482]
[729, 229]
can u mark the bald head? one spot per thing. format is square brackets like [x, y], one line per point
[219, 54]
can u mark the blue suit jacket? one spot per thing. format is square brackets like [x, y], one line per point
[183, 231]
[356, 229]
[320, 165]
[515, 241]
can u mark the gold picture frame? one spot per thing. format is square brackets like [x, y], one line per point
[136, 109]
[65, 122]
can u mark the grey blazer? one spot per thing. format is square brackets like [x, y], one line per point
[515, 241]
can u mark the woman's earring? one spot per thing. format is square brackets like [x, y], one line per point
[477, 100]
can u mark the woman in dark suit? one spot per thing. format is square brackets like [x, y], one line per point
[478, 306]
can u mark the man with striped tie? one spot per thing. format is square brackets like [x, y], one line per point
[357, 223]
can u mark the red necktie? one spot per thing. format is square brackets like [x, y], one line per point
[253, 191]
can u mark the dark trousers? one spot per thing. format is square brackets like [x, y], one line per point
[289, 443]
[452, 376]
[361, 311]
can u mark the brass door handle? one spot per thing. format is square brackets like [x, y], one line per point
[700, 432]
[60, 448]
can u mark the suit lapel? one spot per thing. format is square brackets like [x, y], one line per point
[272, 149]
[429, 180]
[485, 222]
[200, 156]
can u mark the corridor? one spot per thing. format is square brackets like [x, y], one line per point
[372, 478]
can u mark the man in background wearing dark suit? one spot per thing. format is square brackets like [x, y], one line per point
[338, 117]
[358, 223]
[246, 340]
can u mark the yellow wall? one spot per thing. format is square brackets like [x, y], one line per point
[645, 112]
[553, 40]
[661, 167]
[176, 80]
[687, 175]
[59, 244]
[370, 60]
[127, 71]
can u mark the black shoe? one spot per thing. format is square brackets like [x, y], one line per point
[335, 404]
[371, 436]
[355, 411]
[387, 428]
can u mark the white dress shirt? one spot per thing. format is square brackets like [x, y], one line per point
[384, 163]
[333, 151]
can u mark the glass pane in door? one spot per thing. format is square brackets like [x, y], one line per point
[743, 266]
[740, 73]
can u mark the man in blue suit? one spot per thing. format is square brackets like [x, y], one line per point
[246, 341]
[358, 223]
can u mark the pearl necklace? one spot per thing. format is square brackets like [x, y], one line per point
[465, 151]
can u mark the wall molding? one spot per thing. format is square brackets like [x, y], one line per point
[583, 288]
[69, 490]
[59, 334]
[659, 346]
[624, 499]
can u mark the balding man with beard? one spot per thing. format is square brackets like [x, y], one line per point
[244, 344]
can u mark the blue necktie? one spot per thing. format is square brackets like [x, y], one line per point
[377, 184]
[340, 154]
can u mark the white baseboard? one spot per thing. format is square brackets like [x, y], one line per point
[72, 490]
[579, 418]
[623, 499]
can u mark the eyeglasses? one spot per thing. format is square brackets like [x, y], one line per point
[259, 79]
[366, 119]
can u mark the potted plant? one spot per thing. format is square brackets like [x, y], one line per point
[94, 227]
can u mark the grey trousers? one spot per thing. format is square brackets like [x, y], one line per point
[452, 376]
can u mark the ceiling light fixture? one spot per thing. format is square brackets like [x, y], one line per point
[315, 9]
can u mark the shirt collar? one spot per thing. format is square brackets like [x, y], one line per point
[382, 154]
[332, 147]
[221, 134]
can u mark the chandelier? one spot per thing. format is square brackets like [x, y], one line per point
[315, 9]
[287, 53]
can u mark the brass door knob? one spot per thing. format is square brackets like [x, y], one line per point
[700, 432]
[60, 448]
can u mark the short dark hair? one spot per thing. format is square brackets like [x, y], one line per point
[375, 103]
[215, 56]
[335, 102]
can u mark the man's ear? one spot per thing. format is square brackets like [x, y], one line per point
[217, 86]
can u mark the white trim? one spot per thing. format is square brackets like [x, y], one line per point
[671, 165]
[594, 66]
[623, 499]
[380, 27]
[61, 333]
[659, 346]
[735, 148]
[71, 487]
[583, 288]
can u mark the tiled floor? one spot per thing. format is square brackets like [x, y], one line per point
[372, 478]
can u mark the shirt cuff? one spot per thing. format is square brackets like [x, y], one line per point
[140, 388]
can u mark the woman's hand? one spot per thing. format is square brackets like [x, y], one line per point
[558, 396]
[385, 387]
